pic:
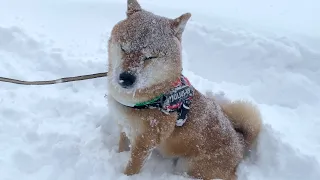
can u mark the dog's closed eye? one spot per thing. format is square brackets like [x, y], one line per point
[149, 58]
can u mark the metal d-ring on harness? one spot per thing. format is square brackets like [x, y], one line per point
[177, 100]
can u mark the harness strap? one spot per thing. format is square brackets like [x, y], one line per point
[177, 100]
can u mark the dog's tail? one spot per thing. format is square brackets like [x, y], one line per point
[245, 117]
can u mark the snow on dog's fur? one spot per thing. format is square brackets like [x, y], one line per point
[144, 61]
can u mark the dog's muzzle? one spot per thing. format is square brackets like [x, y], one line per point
[126, 79]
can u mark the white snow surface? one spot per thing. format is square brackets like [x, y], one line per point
[63, 131]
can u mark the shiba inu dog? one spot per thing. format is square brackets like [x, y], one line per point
[158, 108]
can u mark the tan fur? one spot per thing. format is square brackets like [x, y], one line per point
[213, 141]
[245, 117]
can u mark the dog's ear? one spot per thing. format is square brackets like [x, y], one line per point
[179, 24]
[132, 7]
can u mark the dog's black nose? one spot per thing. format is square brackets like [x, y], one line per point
[126, 79]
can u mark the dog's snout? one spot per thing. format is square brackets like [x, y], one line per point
[127, 79]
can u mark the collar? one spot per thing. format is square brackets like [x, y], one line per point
[178, 99]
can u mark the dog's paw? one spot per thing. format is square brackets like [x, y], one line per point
[129, 171]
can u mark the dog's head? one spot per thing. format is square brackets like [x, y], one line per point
[144, 54]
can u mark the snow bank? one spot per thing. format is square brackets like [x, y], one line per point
[63, 132]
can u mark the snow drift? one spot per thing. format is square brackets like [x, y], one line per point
[63, 132]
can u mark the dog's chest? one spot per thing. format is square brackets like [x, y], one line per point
[126, 120]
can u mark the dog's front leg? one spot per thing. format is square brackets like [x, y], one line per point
[140, 152]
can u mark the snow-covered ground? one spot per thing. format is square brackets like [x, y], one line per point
[62, 132]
